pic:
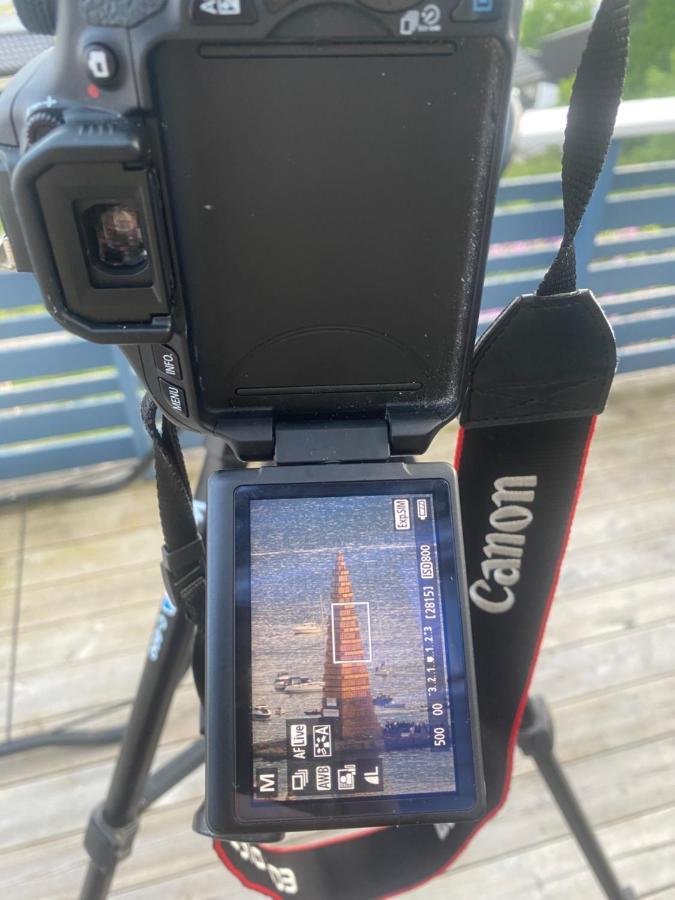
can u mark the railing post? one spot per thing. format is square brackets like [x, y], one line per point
[593, 219]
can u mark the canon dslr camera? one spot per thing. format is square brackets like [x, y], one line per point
[280, 209]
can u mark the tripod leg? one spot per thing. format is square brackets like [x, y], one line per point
[113, 825]
[536, 740]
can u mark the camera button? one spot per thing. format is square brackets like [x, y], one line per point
[223, 12]
[175, 397]
[102, 64]
[477, 11]
[167, 361]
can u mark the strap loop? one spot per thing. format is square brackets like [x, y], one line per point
[590, 124]
[183, 558]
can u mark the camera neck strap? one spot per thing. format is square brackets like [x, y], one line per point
[183, 558]
[539, 377]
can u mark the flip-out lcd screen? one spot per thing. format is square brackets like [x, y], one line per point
[357, 685]
[330, 236]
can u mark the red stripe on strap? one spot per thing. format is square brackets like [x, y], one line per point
[513, 737]
[458, 448]
[220, 850]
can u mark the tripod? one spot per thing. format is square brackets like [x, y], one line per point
[133, 788]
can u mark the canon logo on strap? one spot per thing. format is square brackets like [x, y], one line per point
[503, 550]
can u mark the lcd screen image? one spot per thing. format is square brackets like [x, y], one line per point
[350, 695]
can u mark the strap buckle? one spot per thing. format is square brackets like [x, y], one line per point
[184, 577]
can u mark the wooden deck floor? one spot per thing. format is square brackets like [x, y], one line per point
[79, 583]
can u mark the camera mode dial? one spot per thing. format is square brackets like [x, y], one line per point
[40, 123]
[37, 16]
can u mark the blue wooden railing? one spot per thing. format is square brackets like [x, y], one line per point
[65, 402]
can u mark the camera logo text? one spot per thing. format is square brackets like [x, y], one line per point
[503, 550]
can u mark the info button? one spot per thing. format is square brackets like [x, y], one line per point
[167, 361]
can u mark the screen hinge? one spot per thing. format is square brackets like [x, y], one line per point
[358, 440]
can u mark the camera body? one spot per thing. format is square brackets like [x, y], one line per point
[279, 208]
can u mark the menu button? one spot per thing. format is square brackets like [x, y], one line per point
[175, 397]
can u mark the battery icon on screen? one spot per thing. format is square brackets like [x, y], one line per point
[422, 511]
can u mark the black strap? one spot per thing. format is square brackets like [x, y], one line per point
[183, 560]
[539, 376]
[590, 124]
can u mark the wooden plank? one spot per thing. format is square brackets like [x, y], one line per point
[616, 275]
[77, 597]
[642, 175]
[533, 188]
[610, 720]
[182, 726]
[530, 814]
[66, 418]
[545, 220]
[104, 633]
[613, 451]
[60, 804]
[597, 568]
[557, 869]
[58, 521]
[11, 533]
[570, 671]
[634, 399]
[156, 869]
[82, 686]
[655, 207]
[529, 811]
[207, 881]
[24, 869]
[637, 301]
[540, 258]
[630, 483]
[70, 387]
[10, 528]
[98, 554]
[19, 289]
[9, 564]
[49, 354]
[629, 241]
[621, 608]
[22, 460]
[642, 357]
[160, 858]
[29, 323]
[535, 256]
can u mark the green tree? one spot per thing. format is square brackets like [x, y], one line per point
[543, 17]
[651, 66]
